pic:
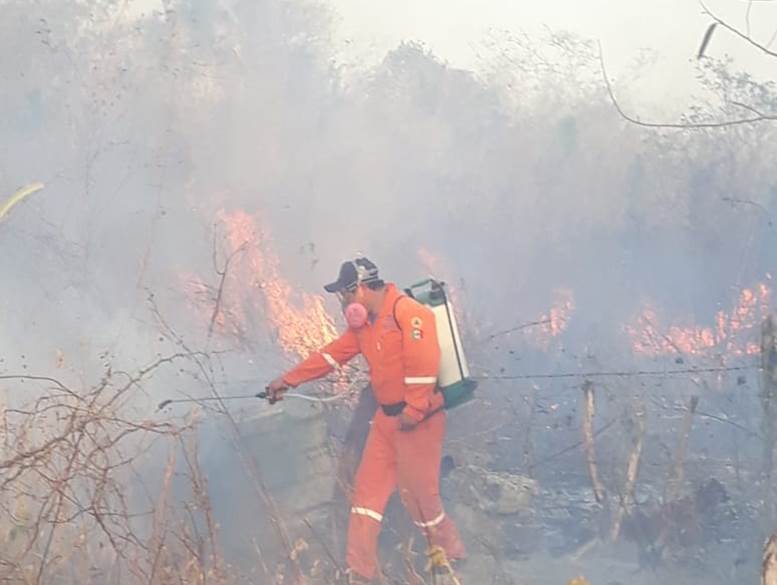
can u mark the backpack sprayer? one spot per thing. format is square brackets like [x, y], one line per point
[453, 379]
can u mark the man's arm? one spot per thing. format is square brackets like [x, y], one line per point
[323, 361]
[421, 359]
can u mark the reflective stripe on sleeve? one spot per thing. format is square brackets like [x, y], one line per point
[330, 360]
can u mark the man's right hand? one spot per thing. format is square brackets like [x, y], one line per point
[275, 390]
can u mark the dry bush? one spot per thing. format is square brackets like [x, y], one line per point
[74, 505]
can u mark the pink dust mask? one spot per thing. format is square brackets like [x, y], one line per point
[355, 315]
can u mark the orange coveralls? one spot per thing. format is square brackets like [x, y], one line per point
[404, 357]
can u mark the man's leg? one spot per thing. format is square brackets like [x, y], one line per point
[418, 475]
[374, 483]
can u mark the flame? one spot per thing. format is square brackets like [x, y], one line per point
[753, 304]
[557, 318]
[300, 329]
[539, 332]
[253, 285]
[555, 321]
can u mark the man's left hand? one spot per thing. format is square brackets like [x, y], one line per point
[407, 422]
[275, 390]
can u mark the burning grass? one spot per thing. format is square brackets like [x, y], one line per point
[728, 336]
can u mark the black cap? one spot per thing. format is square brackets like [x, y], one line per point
[352, 273]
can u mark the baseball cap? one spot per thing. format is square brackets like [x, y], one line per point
[352, 273]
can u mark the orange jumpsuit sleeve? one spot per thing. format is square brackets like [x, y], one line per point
[420, 357]
[323, 361]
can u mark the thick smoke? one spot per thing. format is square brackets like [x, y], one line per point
[522, 180]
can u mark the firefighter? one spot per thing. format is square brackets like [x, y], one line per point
[398, 338]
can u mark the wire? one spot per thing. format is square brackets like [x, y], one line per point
[486, 377]
[616, 374]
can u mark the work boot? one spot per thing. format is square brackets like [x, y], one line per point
[444, 570]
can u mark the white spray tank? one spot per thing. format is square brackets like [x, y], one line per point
[453, 378]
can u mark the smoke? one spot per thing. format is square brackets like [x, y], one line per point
[522, 179]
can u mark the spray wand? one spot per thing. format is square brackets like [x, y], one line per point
[264, 395]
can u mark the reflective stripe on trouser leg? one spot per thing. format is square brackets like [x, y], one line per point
[431, 523]
[367, 512]
[374, 483]
[418, 476]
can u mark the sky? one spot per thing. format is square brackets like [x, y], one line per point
[671, 30]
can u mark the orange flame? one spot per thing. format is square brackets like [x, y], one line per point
[559, 314]
[555, 321]
[254, 286]
[300, 329]
[648, 337]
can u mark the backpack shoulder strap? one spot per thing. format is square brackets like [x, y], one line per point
[394, 310]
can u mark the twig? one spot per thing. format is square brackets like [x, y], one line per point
[728, 421]
[261, 558]
[223, 274]
[747, 16]
[706, 40]
[323, 544]
[238, 441]
[517, 328]
[755, 204]
[772, 38]
[571, 447]
[736, 31]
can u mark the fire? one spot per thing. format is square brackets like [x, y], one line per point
[254, 285]
[753, 304]
[555, 321]
[300, 329]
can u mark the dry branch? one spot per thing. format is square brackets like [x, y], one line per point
[677, 473]
[205, 369]
[588, 441]
[744, 36]
[632, 469]
[758, 117]
[222, 273]
[68, 461]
